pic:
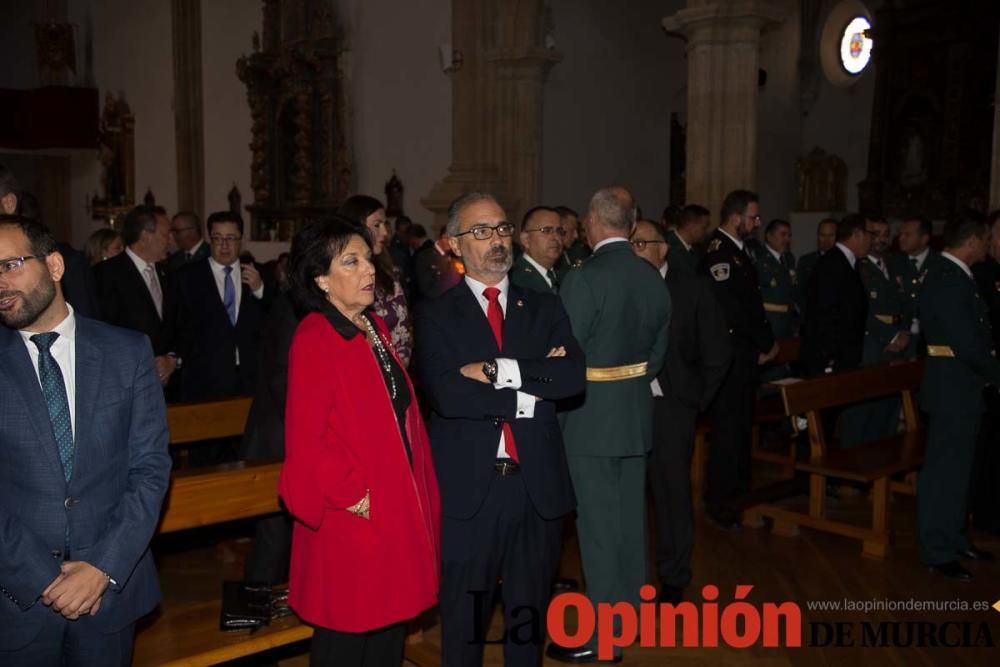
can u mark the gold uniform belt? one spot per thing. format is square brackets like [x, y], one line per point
[776, 307]
[615, 373]
[940, 351]
[891, 320]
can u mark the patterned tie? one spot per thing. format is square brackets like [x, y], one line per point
[229, 295]
[154, 289]
[494, 313]
[54, 391]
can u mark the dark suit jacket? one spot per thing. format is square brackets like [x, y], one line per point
[110, 506]
[208, 342]
[698, 348]
[264, 436]
[78, 283]
[833, 334]
[177, 261]
[126, 302]
[465, 426]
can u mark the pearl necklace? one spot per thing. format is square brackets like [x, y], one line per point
[382, 355]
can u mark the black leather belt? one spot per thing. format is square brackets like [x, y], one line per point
[507, 467]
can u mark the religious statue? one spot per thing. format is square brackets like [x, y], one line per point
[394, 196]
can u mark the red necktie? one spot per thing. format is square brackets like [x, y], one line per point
[494, 313]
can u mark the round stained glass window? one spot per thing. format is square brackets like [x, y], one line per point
[855, 48]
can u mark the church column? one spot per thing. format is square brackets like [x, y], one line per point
[723, 41]
[188, 117]
[995, 167]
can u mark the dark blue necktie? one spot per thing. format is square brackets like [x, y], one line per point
[54, 391]
[229, 295]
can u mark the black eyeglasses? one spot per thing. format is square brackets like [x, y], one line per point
[483, 232]
[640, 244]
[14, 264]
[225, 240]
[548, 231]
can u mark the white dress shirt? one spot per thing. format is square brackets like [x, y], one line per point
[64, 352]
[738, 242]
[654, 384]
[219, 273]
[774, 253]
[508, 370]
[851, 258]
[923, 256]
[141, 265]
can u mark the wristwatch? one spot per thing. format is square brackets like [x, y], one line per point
[490, 370]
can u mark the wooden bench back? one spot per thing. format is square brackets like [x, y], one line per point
[217, 494]
[788, 350]
[862, 384]
[191, 422]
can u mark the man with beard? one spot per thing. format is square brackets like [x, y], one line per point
[887, 334]
[734, 278]
[494, 358]
[84, 434]
[541, 238]
[620, 309]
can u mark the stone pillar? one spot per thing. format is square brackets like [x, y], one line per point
[723, 40]
[496, 104]
[995, 166]
[188, 116]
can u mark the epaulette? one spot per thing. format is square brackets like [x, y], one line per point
[714, 245]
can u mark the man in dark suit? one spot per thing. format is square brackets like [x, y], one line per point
[620, 310]
[185, 228]
[135, 292]
[698, 356]
[985, 499]
[494, 358]
[686, 239]
[961, 364]
[826, 237]
[84, 435]
[737, 291]
[221, 304]
[541, 238]
[833, 333]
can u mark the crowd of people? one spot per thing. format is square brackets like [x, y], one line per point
[443, 406]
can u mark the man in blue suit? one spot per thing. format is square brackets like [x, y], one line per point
[83, 468]
[494, 358]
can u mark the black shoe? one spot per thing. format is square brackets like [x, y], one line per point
[577, 656]
[952, 570]
[564, 585]
[972, 553]
[724, 518]
[671, 594]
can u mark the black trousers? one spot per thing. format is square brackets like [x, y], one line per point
[63, 643]
[378, 648]
[985, 502]
[670, 480]
[506, 540]
[270, 555]
[731, 419]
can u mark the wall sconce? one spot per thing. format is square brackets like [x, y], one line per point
[451, 59]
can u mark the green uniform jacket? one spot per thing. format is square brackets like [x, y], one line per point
[524, 274]
[908, 277]
[952, 314]
[778, 290]
[887, 314]
[683, 262]
[619, 308]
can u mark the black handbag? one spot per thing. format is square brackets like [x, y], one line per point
[245, 604]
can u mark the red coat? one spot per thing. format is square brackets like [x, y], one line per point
[348, 573]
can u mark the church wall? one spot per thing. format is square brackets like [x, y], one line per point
[608, 103]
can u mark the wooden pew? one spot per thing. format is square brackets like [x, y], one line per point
[873, 463]
[189, 635]
[768, 410]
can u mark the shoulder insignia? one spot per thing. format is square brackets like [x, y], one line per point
[720, 272]
[736, 260]
[714, 245]
[578, 263]
[873, 294]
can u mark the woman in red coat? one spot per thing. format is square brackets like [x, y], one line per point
[358, 476]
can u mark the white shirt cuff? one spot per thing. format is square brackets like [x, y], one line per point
[525, 405]
[508, 374]
[915, 327]
[654, 385]
[259, 292]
